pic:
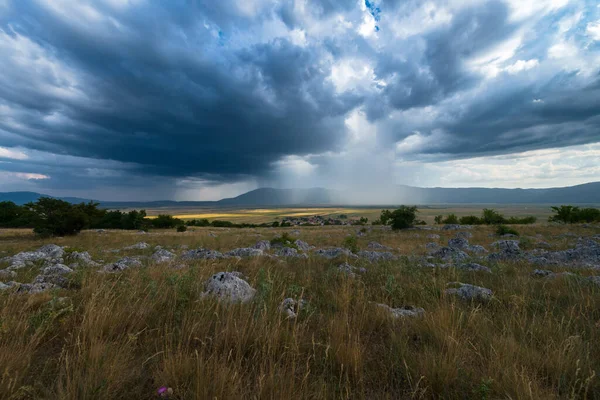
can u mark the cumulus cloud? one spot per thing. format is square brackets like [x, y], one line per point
[142, 99]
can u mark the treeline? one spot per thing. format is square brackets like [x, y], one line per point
[488, 217]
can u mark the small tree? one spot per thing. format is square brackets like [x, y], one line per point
[351, 243]
[181, 228]
[492, 217]
[451, 219]
[53, 217]
[402, 218]
[438, 219]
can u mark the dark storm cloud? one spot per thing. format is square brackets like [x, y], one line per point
[222, 90]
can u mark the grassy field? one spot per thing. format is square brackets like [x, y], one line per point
[427, 213]
[122, 336]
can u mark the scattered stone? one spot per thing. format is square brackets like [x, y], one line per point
[450, 254]
[56, 280]
[350, 270]
[33, 288]
[291, 308]
[212, 234]
[303, 246]
[375, 256]
[458, 243]
[474, 267]
[6, 274]
[52, 251]
[507, 250]
[138, 246]
[586, 254]
[431, 246]
[123, 264]
[542, 273]
[464, 235]
[80, 259]
[295, 232]
[162, 256]
[377, 246]
[245, 252]
[455, 227]
[433, 236]
[263, 245]
[361, 234]
[57, 269]
[335, 252]
[228, 286]
[477, 249]
[470, 292]
[290, 252]
[402, 312]
[202, 254]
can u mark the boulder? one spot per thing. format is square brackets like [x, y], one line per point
[470, 292]
[450, 254]
[162, 256]
[123, 264]
[263, 245]
[403, 312]
[476, 249]
[458, 243]
[375, 256]
[474, 267]
[301, 245]
[464, 235]
[57, 269]
[377, 246]
[79, 259]
[507, 250]
[245, 252]
[290, 252]
[433, 236]
[202, 254]
[137, 246]
[335, 252]
[229, 287]
[6, 274]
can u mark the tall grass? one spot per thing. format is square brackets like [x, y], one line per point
[121, 336]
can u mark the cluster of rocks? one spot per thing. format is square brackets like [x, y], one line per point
[469, 292]
[350, 270]
[402, 312]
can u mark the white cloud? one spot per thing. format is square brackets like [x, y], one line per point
[13, 154]
[522, 65]
[593, 30]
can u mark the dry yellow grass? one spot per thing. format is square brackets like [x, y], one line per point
[121, 336]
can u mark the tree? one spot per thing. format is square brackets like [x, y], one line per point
[53, 217]
[451, 219]
[402, 218]
[492, 217]
[438, 219]
[166, 221]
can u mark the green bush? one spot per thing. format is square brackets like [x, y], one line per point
[438, 219]
[521, 221]
[166, 222]
[450, 219]
[492, 217]
[181, 228]
[402, 218]
[505, 230]
[470, 220]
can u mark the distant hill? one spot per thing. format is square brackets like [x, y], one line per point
[588, 193]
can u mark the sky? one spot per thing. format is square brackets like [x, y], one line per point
[200, 100]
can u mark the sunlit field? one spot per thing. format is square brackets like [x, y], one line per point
[426, 213]
[125, 335]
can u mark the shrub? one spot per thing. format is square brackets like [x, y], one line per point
[470, 220]
[166, 222]
[222, 224]
[571, 215]
[521, 221]
[505, 230]
[438, 219]
[450, 219]
[351, 243]
[492, 217]
[275, 224]
[53, 217]
[181, 228]
[402, 218]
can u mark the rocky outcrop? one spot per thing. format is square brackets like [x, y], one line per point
[123, 264]
[138, 246]
[376, 256]
[350, 270]
[335, 252]
[245, 252]
[202, 254]
[162, 256]
[263, 245]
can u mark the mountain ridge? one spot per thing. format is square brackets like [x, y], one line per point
[588, 193]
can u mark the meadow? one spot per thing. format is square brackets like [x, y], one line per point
[124, 335]
[426, 213]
